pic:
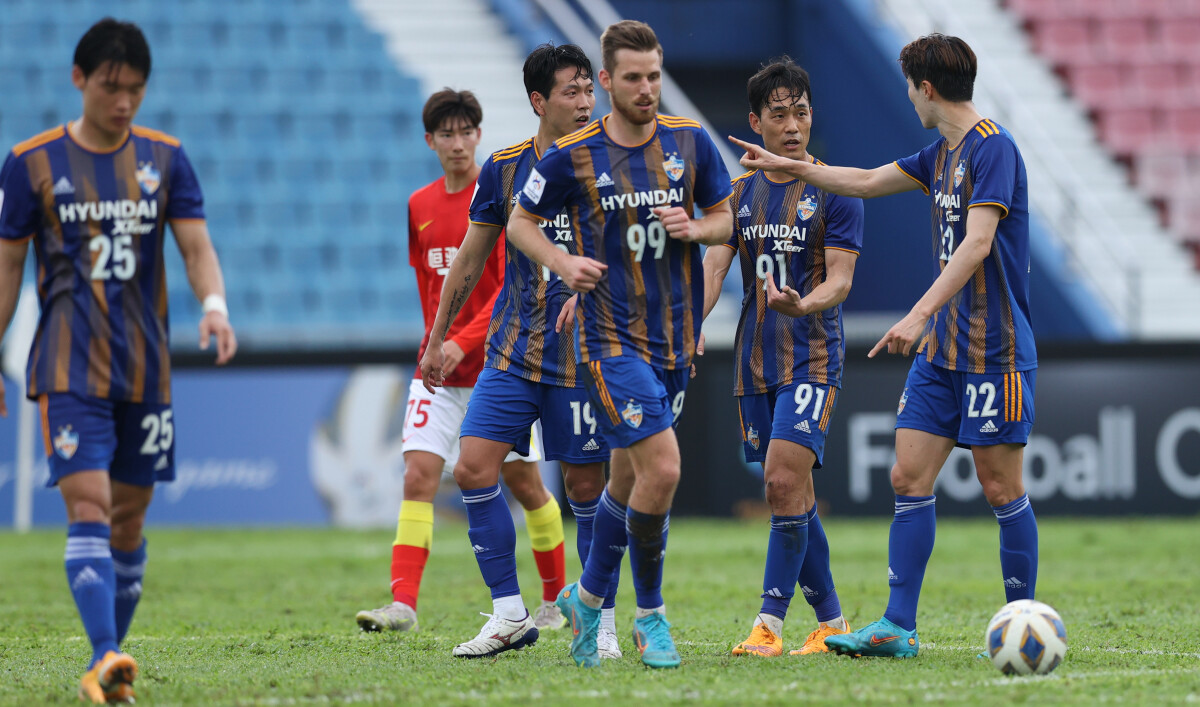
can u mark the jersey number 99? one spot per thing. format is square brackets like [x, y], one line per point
[640, 238]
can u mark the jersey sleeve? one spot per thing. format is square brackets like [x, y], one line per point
[18, 204]
[550, 185]
[919, 167]
[844, 224]
[712, 179]
[994, 173]
[487, 204]
[734, 198]
[413, 246]
[185, 200]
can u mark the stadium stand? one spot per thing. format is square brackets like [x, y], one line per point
[306, 137]
[1135, 65]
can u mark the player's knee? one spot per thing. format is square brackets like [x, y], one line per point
[88, 510]
[127, 529]
[906, 482]
[1000, 490]
[583, 483]
[523, 480]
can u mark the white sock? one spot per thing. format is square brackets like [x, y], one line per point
[608, 618]
[839, 623]
[511, 608]
[643, 613]
[772, 622]
[589, 599]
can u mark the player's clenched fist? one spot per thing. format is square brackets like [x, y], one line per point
[678, 222]
[580, 273]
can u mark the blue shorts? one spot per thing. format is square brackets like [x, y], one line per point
[970, 408]
[797, 412]
[133, 442]
[504, 405]
[635, 399]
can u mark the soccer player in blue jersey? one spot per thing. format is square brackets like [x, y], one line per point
[629, 183]
[789, 347]
[971, 383]
[530, 372]
[95, 196]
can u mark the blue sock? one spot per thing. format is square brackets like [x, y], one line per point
[93, 584]
[909, 546]
[130, 567]
[609, 540]
[585, 517]
[816, 579]
[786, 546]
[494, 539]
[647, 550]
[1018, 548]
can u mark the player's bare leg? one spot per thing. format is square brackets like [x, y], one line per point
[128, 516]
[583, 484]
[493, 537]
[410, 549]
[919, 458]
[89, 502]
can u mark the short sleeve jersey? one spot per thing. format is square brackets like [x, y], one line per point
[985, 327]
[521, 337]
[784, 230]
[437, 224]
[97, 221]
[649, 302]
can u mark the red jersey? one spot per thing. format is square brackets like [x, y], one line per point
[437, 224]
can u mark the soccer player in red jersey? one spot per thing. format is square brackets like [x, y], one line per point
[437, 224]
[94, 197]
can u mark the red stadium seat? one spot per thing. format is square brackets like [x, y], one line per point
[1183, 127]
[1099, 85]
[1184, 215]
[1180, 39]
[1129, 130]
[1127, 40]
[1065, 42]
[1160, 171]
[1159, 84]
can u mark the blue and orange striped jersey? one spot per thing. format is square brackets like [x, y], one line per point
[985, 327]
[782, 230]
[97, 222]
[521, 338]
[650, 301]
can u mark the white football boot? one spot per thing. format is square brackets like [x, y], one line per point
[393, 617]
[498, 635]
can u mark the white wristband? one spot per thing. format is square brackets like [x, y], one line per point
[215, 303]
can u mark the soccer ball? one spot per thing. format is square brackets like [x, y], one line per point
[1026, 637]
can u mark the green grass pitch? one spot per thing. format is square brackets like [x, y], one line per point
[266, 617]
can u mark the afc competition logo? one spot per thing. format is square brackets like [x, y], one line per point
[632, 414]
[752, 437]
[148, 178]
[534, 186]
[805, 209]
[673, 167]
[959, 171]
[66, 442]
[903, 401]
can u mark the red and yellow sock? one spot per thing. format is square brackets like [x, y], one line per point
[546, 535]
[410, 550]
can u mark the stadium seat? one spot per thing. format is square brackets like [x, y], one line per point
[1184, 214]
[1099, 85]
[1127, 130]
[1129, 40]
[1159, 84]
[1160, 171]
[1178, 39]
[1065, 42]
[1183, 127]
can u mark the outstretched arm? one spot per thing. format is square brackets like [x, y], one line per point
[578, 272]
[847, 181]
[204, 274]
[839, 276]
[465, 270]
[968, 256]
[716, 266]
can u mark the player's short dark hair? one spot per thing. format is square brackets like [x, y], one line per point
[547, 60]
[947, 63]
[627, 34]
[450, 105]
[113, 41]
[780, 74]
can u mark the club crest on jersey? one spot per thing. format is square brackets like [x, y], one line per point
[66, 442]
[805, 209]
[148, 178]
[752, 437]
[632, 415]
[903, 401]
[674, 167]
[959, 171]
